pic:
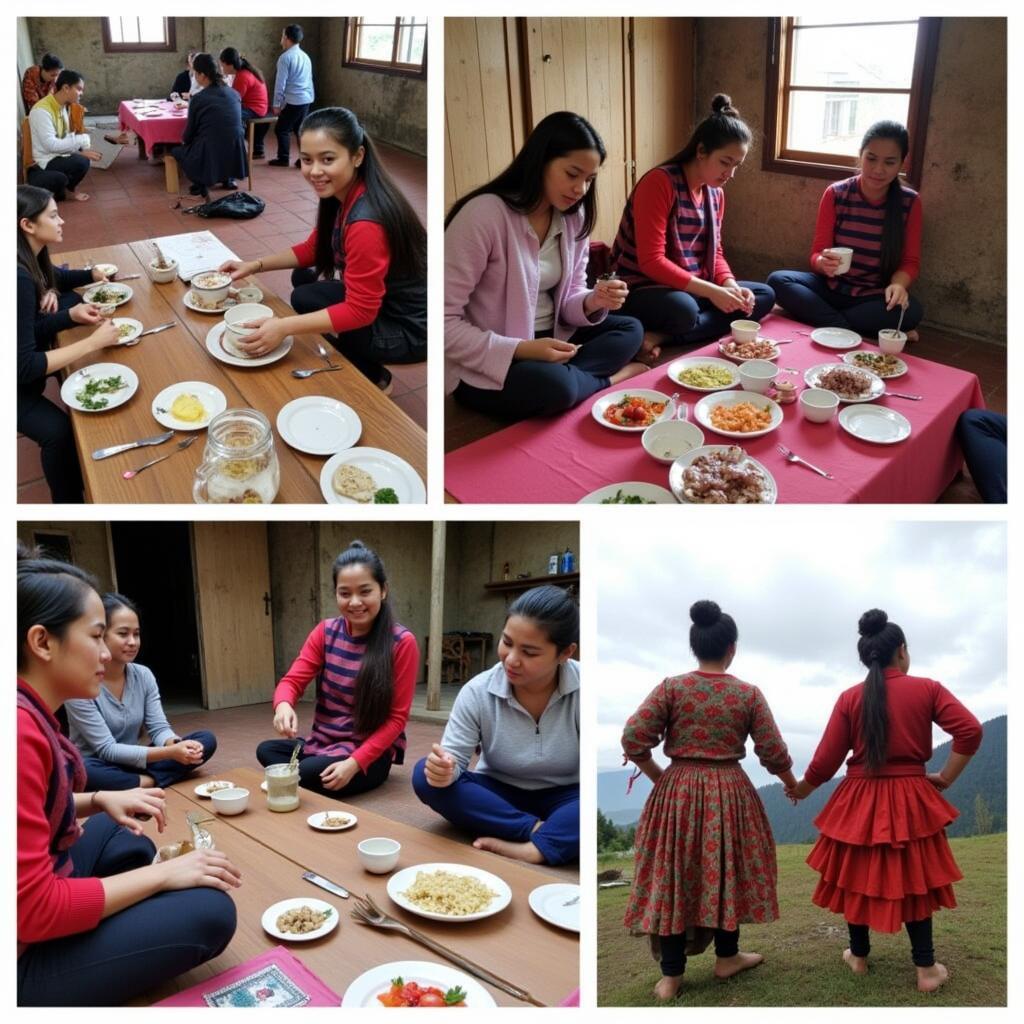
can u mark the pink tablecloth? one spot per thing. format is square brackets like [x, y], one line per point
[154, 121]
[561, 459]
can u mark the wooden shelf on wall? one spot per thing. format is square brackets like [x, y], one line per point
[562, 579]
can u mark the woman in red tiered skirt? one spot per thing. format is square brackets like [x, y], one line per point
[883, 855]
[705, 856]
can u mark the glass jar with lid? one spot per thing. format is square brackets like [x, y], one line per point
[240, 465]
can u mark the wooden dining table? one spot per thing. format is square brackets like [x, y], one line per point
[272, 850]
[179, 354]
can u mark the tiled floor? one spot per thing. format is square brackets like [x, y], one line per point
[128, 202]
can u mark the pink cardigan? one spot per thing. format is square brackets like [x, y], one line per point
[491, 280]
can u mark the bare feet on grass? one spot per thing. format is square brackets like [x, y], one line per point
[727, 966]
[930, 979]
[668, 987]
[629, 370]
[517, 851]
[857, 964]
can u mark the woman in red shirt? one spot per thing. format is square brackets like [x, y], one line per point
[251, 86]
[363, 277]
[98, 922]
[883, 855]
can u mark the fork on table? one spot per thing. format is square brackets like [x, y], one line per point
[791, 456]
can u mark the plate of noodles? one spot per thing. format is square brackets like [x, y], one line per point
[449, 892]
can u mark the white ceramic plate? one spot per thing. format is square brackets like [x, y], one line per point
[271, 914]
[875, 423]
[770, 492]
[317, 821]
[215, 346]
[108, 270]
[402, 880]
[676, 370]
[76, 382]
[375, 982]
[212, 398]
[877, 384]
[652, 492]
[836, 337]
[318, 425]
[136, 326]
[605, 401]
[851, 359]
[549, 903]
[124, 289]
[387, 470]
[203, 789]
[743, 359]
[702, 412]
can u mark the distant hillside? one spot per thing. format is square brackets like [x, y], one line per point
[985, 775]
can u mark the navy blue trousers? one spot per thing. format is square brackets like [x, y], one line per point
[982, 436]
[311, 765]
[482, 805]
[102, 774]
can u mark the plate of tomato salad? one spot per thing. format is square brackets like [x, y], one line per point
[416, 983]
[633, 409]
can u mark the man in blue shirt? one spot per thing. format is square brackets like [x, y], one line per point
[293, 92]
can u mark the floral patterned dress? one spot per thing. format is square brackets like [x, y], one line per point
[705, 855]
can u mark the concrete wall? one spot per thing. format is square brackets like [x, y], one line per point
[90, 549]
[770, 217]
[294, 586]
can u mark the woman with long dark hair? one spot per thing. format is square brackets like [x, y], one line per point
[705, 855]
[882, 854]
[669, 245]
[365, 665]
[524, 335]
[47, 305]
[99, 922]
[522, 798]
[879, 218]
[251, 86]
[360, 279]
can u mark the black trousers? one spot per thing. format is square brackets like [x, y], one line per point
[61, 175]
[50, 428]
[311, 765]
[921, 948]
[673, 950]
[259, 131]
[288, 121]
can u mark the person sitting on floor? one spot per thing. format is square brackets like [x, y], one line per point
[212, 148]
[46, 306]
[249, 83]
[106, 729]
[293, 93]
[60, 145]
[365, 665]
[523, 798]
[39, 80]
[365, 288]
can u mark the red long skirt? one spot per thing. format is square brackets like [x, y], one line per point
[882, 853]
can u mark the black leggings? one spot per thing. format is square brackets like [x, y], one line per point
[61, 175]
[673, 950]
[920, 932]
[50, 428]
[311, 765]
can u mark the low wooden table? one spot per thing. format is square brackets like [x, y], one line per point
[272, 850]
[179, 354]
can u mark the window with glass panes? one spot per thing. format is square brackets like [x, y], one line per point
[138, 34]
[394, 45]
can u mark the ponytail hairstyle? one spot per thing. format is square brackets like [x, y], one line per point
[204, 64]
[551, 610]
[230, 56]
[879, 641]
[892, 226]
[721, 128]
[521, 185]
[713, 631]
[32, 203]
[51, 594]
[406, 235]
[112, 602]
[375, 682]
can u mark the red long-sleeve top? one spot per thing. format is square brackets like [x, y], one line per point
[365, 257]
[913, 704]
[49, 906]
[252, 91]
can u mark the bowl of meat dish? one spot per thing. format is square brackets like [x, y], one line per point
[632, 410]
[849, 383]
[210, 288]
[667, 440]
[879, 363]
[742, 414]
[721, 475]
[755, 348]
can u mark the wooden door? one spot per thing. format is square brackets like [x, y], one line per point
[232, 580]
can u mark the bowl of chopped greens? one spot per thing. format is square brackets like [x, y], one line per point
[99, 388]
[128, 329]
[634, 492]
[108, 294]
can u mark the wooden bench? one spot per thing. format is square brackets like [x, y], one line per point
[250, 138]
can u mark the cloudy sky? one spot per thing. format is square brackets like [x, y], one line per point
[796, 599]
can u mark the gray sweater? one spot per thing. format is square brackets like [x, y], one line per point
[515, 749]
[109, 728]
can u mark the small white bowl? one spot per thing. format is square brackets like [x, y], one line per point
[745, 330]
[230, 801]
[818, 405]
[757, 375]
[243, 313]
[211, 294]
[108, 270]
[670, 439]
[162, 275]
[379, 855]
[844, 255]
[891, 341]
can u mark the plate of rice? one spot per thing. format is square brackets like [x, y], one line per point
[449, 892]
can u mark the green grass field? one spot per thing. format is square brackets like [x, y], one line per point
[803, 949]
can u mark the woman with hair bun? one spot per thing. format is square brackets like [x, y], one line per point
[882, 854]
[705, 855]
[669, 246]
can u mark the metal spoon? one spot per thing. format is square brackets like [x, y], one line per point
[324, 355]
[129, 474]
[303, 374]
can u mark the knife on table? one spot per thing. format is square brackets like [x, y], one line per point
[151, 330]
[316, 879]
[104, 453]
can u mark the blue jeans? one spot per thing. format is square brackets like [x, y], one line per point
[482, 805]
[535, 388]
[131, 951]
[102, 774]
[687, 318]
[808, 298]
[982, 436]
[311, 765]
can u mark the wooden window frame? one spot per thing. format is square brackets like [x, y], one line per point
[168, 46]
[816, 165]
[392, 67]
